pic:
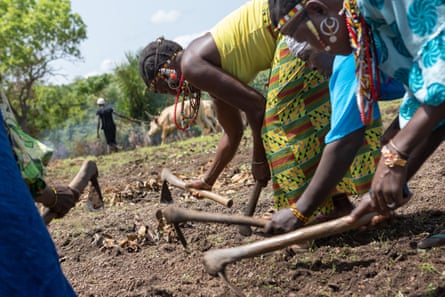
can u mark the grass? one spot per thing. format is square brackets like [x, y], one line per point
[428, 267]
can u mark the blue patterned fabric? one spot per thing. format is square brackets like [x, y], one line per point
[410, 38]
[29, 264]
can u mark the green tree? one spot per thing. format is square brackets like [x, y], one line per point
[138, 100]
[58, 106]
[34, 33]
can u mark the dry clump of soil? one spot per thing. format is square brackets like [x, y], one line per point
[123, 251]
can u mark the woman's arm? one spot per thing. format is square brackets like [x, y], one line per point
[335, 161]
[204, 71]
[415, 141]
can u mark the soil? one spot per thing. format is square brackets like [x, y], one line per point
[124, 251]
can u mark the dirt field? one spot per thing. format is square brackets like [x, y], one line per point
[119, 251]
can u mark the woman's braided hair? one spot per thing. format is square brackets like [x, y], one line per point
[154, 55]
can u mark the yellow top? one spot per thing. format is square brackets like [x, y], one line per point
[245, 40]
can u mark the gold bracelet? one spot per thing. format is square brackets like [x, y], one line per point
[298, 214]
[258, 162]
[392, 159]
[56, 200]
[398, 151]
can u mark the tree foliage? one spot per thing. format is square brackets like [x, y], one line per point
[65, 116]
[58, 106]
[33, 33]
[137, 99]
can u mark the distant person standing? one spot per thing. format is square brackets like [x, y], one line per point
[105, 122]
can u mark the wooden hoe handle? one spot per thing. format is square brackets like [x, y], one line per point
[216, 260]
[250, 209]
[179, 183]
[175, 215]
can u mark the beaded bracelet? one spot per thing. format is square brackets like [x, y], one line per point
[298, 214]
[56, 200]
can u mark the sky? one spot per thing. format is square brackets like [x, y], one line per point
[117, 27]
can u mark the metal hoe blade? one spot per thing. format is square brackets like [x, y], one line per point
[166, 195]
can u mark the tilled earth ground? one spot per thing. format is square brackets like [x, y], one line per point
[122, 251]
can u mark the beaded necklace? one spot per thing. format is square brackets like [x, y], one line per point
[183, 88]
[185, 91]
[366, 64]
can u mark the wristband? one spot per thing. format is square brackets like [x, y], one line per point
[392, 159]
[298, 214]
[398, 151]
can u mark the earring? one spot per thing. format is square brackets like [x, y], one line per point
[173, 75]
[329, 27]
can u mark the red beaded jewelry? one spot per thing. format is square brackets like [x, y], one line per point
[194, 97]
[366, 61]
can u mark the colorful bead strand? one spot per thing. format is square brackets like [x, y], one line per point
[364, 51]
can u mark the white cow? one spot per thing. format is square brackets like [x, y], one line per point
[165, 122]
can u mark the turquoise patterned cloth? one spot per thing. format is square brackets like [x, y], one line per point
[410, 38]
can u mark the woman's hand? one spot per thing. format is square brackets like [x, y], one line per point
[282, 222]
[261, 172]
[385, 182]
[387, 187]
[366, 206]
[198, 184]
[66, 198]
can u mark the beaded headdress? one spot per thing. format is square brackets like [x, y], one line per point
[183, 89]
[161, 72]
[292, 15]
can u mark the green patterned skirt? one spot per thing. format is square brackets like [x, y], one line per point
[32, 155]
[296, 121]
